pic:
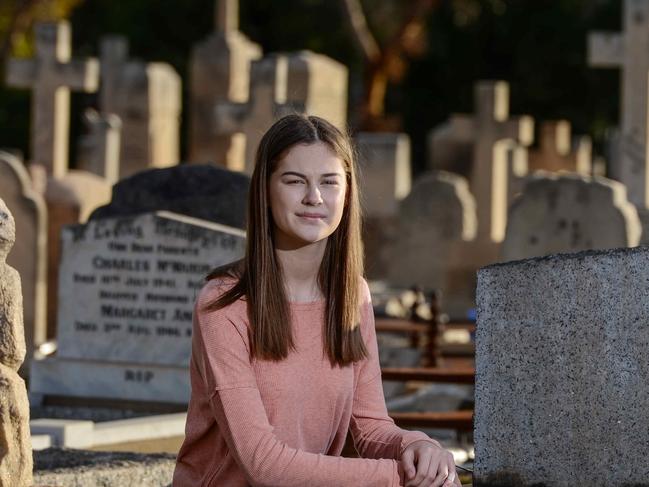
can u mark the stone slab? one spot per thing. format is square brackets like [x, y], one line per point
[568, 213]
[128, 285]
[84, 378]
[561, 371]
[64, 432]
[41, 442]
[136, 429]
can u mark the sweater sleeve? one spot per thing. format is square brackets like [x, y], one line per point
[374, 432]
[224, 364]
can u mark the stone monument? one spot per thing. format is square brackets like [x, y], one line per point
[561, 395]
[630, 52]
[219, 73]
[127, 290]
[30, 257]
[147, 99]
[52, 74]
[16, 452]
[568, 213]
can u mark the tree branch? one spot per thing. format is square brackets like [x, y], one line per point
[355, 18]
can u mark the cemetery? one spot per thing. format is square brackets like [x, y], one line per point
[506, 254]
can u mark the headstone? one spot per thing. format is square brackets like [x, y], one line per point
[561, 371]
[437, 215]
[497, 141]
[629, 51]
[52, 74]
[99, 148]
[29, 257]
[384, 170]
[16, 454]
[317, 85]
[128, 287]
[450, 146]
[643, 214]
[568, 213]
[200, 191]
[70, 200]
[555, 151]
[282, 84]
[147, 99]
[219, 73]
[266, 104]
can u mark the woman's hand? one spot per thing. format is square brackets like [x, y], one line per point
[427, 465]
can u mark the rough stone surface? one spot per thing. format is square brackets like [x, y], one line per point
[15, 443]
[29, 258]
[569, 213]
[201, 191]
[561, 371]
[80, 468]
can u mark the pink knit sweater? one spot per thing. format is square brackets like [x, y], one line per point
[264, 423]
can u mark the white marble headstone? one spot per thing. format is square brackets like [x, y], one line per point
[127, 291]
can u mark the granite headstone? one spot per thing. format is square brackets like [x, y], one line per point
[561, 371]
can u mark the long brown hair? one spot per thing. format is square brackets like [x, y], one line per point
[259, 274]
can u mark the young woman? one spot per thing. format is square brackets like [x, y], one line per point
[284, 354]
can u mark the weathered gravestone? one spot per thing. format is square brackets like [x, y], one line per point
[562, 371]
[70, 200]
[437, 215]
[384, 174]
[630, 52]
[281, 84]
[52, 74]
[29, 258]
[556, 153]
[569, 213]
[15, 450]
[99, 147]
[127, 289]
[200, 191]
[384, 171]
[497, 145]
[147, 99]
[220, 73]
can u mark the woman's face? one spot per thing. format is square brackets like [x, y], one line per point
[307, 195]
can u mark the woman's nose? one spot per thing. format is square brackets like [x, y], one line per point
[312, 196]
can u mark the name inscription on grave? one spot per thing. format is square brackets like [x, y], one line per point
[128, 286]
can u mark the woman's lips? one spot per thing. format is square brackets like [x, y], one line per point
[311, 216]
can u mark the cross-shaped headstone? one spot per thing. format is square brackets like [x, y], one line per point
[227, 15]
[630, 52]
[266, 104]
[146, 97]
[51, 75]
[492, 171]
[555, 152]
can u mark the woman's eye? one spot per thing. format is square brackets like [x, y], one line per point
[332, 181]
[294, 181]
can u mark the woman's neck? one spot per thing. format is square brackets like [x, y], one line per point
[300, 268]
